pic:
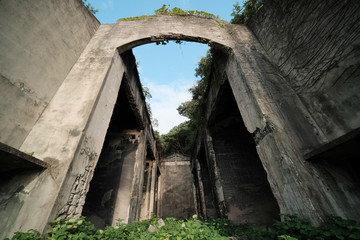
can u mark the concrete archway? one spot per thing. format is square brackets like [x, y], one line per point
[85, 101]
[71, 130]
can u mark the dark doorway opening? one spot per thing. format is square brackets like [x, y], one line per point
[247, 192]
[204, 187]
[338, 165]
[116, 158]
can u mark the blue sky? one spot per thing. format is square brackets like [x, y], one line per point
[168, 71]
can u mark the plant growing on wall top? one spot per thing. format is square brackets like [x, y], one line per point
[90, 7]
[242, 14]
[165, 10]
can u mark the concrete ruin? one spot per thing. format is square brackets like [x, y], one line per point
[282, 115]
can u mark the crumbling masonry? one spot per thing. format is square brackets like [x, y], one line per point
[282, 116]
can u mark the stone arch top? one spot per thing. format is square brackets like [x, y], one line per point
[94, 65]
[128, 34]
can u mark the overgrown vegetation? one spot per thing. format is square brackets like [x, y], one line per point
[291, 228]
[90, 7]
[165, 10]
[242, 14]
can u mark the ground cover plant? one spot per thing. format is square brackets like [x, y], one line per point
[291, 228]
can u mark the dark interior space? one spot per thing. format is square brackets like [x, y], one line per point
[340, 168]
[246, 189]
[101, 198]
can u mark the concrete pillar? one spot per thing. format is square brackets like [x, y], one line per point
[127, 195]
[215, 175]
[201, 189]
[152, 189]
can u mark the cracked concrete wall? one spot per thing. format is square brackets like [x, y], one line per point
[39, 43]
[176, 195]
[272, 110]
[284, 130]
[315, 45]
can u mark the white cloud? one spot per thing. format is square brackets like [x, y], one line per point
[165, 99]
[108, 4]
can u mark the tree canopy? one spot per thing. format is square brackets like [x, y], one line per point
[242, 14]
[181, 138]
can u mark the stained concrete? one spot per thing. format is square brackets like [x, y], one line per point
[285, 122]
[39, 43]
[247, 193]
[316, 48]
[176, 195]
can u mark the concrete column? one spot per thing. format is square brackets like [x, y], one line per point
[146, 200]
[129, 177]
[152, 189]
[215, 175]
[201, 188]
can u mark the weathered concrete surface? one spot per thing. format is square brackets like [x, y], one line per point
[176, 195]
[247, 193]
[39, 43]
[12, 159]
[316, 47]
[71, 130]
[282, 128]
[17, 171]
[69, 119]
[85, 144]
[114, 184]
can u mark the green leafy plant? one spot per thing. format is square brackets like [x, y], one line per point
[242, 14]
[291, 228]
[90, 7]
[165, 10]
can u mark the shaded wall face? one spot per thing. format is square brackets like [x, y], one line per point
[176, 188]
[316, 47]
[40, 41]
[116, 188]
[116, 163]
[247, 193]
[209, 198]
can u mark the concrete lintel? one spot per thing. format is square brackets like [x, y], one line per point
[12, 159]
[336, 148]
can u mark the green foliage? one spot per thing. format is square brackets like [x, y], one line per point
[334, 228]
[90, 7]
[164, 10]
[192, 109]
[136, 18]
[30, 234]
[242, 15]
[72, 229]
[291, 228]
[180, 139]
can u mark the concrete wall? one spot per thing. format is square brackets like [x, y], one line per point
[70, 133]
[247, 193]
[113, 186]
[39, 43]
[315, 45]
[76, 123]
[176, 194]
[284, 130]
